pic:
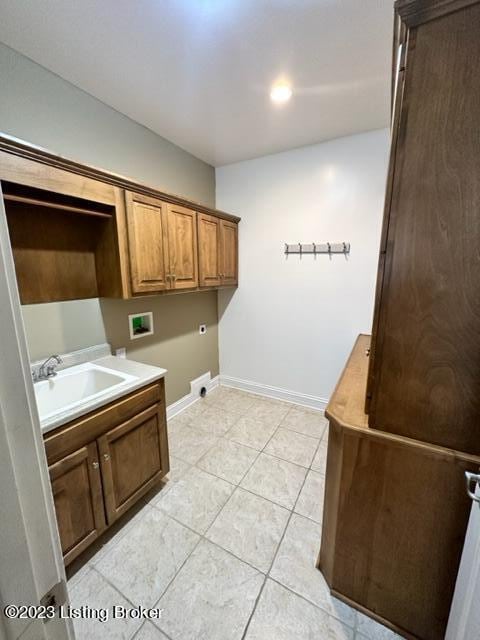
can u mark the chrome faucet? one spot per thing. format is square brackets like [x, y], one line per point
[46, 370]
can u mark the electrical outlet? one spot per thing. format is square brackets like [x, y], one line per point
[202, 329]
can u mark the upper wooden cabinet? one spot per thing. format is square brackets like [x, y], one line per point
[218, 251]
[78, 232]
[162, 242]
[229, 252]
[209, 241]
[147, 243]
[182, 247]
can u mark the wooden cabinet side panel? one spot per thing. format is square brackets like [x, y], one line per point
[428, 346]
[111, 258]
[395, 129]
[398, 532]
[182, 243]
[148, 243]
[209, 248]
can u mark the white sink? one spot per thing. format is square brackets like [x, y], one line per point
[75, 386]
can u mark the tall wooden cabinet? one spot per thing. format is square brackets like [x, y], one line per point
[405, 416]
[426, 334]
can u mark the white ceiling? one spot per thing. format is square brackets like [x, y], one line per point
[198, 72]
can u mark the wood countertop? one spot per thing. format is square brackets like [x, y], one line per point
[347, 404]
[346, 408]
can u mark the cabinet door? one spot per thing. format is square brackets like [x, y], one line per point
[427, 347]
[134, 457]
[77, 494]
[229, 261]
[182, 247]
[148, 243]
[209, 250]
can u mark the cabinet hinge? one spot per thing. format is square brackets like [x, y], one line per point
[56, 596]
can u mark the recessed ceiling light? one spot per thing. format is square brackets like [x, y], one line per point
[281, 93]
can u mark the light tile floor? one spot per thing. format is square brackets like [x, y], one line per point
[227, 548]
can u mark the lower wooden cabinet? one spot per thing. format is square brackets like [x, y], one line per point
[102, 463]
[395, 515]
[77, 494]
[133, 458]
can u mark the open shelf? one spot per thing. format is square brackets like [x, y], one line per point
[62, 245]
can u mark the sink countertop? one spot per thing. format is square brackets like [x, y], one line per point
[144, 374]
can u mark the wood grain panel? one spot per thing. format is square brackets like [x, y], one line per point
[111, 255]
[148, 243]
[83, 430]
[131, 459]
[15, 153]
[428, 345]
[43, 176]
[416, 12]
[77, 495]
[54, 253]
[395, 515]
[229, 254]
[209, 250]
[394, 527]
[182, 247]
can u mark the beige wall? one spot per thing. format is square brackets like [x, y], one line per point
[40, 107]
[176, 344]
[60, 327]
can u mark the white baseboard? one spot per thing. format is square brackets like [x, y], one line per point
[195, 385]
[313, 402]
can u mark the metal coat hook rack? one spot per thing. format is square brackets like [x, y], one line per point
[314, 248]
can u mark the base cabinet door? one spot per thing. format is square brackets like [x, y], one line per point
[77, 494]
[209, 250]
[229, 254]
[133, 457]
[182, 247]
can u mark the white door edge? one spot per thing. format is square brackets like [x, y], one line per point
[464, 620]
[30, 555]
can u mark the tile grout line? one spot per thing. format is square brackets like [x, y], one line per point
[202, 537]
[274, 557]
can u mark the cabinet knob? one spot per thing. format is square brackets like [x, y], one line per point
[95, 465]
[106, 457]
